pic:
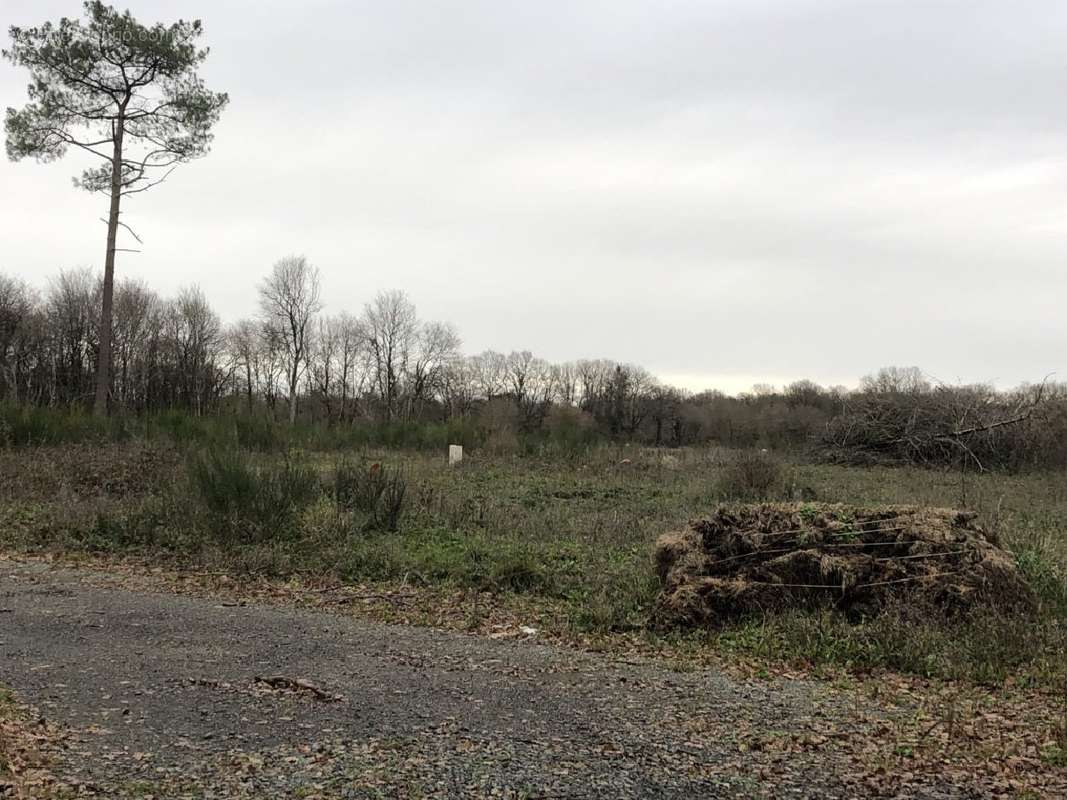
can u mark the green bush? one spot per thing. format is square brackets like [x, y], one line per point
[358, 487]
[516, 571]
[373, 490]
[250, 503]
[386, 515]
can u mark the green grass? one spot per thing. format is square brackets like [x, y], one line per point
[575, 530]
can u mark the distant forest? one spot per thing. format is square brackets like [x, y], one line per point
[386, 366]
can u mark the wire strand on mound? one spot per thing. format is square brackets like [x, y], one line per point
[841, 588]
[873, 522]
[925, 555]
[816, 546]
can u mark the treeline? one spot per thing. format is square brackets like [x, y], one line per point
[384, 366]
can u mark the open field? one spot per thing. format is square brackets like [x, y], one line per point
[568, 539]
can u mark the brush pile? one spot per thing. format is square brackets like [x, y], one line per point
[748, 559]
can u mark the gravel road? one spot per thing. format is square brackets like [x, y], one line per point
[163, 697]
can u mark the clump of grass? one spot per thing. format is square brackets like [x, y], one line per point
[620, 603]
[1048, 579]
[515, 571]
[752, 475]
[435, 556]
[982, 647]
[250, 503]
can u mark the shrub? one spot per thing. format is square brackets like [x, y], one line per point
[390, 505]
[28, 426]
[358, 487]
[751, 475]
[258, 433]
[157, 525]
[252, 503]
[374, 490]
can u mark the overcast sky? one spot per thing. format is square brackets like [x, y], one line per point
[724, 192]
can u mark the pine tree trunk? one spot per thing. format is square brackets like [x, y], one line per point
[103, 361]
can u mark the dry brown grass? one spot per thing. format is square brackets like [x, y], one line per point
[747, 559]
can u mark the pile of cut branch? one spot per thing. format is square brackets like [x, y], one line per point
[939, 425]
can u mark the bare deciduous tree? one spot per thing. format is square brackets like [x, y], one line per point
[897, 380]
[436, 347]
[565, 378]
[289, 299]
[354, 356]
[243, 343]
[322, 363]
[390, 326]
[16, 305]
[530, 383]
[489, 373]
[339, 364]
[459, 387]
[71, 300]
[136, 309]
[594, 376]
[196, 337]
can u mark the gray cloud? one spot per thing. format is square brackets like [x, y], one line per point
[722, 191]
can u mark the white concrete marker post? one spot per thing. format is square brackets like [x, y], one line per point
[455, 454]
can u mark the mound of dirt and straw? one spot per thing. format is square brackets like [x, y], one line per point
[746, 559]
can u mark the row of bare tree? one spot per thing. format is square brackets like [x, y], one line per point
[385, 364]
[165, 351]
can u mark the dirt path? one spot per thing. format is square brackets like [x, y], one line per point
[161, 697]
